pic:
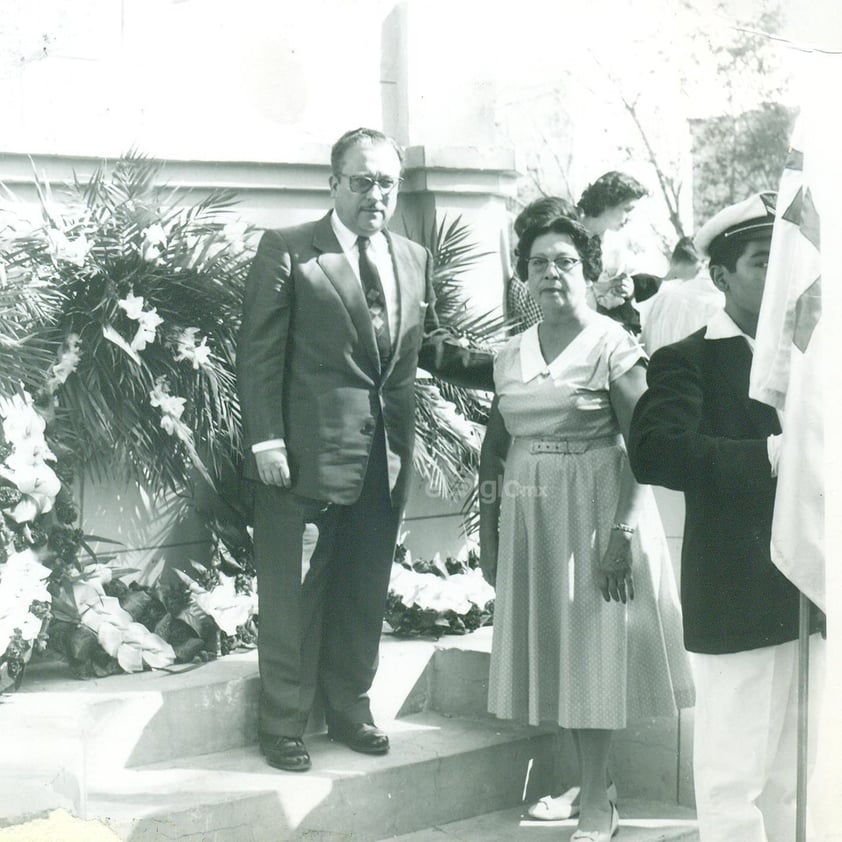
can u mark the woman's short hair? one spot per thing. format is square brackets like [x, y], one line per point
[362, 136]
[542, 211]
[609, 190]
[558, 225]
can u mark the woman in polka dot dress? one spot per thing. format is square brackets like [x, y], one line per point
[587, 628]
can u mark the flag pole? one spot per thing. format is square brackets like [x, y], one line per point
[803, 711]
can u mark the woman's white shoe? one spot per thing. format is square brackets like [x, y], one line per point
[549, 809]
[564, 806]
[599, 835]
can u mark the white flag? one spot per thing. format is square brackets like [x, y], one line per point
[792, 334]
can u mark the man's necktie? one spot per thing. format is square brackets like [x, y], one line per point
[375, 299]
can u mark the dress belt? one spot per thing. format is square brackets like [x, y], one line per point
[547, 444]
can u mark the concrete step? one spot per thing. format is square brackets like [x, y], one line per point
[439, 769]
[640, 821]
[133, 720]
[171, 755]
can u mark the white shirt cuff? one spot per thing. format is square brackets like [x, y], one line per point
[269, 444]
[773, 448]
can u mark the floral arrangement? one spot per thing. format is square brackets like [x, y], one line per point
[434, 597]
[144, 296]
[118, 311]
[34, 523]
[80, 607]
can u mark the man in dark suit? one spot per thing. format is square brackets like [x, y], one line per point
[335, 314]
[696, 430]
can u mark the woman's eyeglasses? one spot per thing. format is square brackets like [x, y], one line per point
[562, 263]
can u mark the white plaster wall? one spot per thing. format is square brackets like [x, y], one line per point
[202, 79]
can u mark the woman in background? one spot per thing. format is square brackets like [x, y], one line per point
[606, 205]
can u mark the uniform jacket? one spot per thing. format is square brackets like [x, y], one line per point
[696, 430]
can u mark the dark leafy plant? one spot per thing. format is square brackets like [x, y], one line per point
[449, 418]
[128, 331]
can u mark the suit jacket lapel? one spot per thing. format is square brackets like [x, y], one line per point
[734, 359]
[403, 268]
[335, 265]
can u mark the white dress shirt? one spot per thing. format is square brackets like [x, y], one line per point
[382, 258]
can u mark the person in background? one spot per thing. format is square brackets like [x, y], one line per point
[587, 623]
[336, 314]
[606, 205]
[685, 262]
[685, 301]
[696, 430]
[645, 286]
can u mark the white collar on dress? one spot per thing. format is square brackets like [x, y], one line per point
[532, 362]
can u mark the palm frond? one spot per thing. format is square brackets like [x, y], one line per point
[103, 239]
[447, 441]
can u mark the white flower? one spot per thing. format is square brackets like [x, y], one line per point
[22, 579]
[131, 643]
[154, 241]
[223, 604]
[63, 249]
[26, 510]
[172, 408]
[456, 593]
[37, 479]
[160, 398]
[25, 466]
[187, 349]
[67, 363]
[21, 421]
[148, 320]
[132, 304]
[39, 486]
[29, 452]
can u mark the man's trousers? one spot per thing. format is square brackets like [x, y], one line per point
[745, 740]
[323, 577]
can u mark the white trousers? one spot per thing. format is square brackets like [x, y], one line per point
[745, 741]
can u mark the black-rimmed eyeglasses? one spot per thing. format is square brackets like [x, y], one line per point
[364, 183]
[562, 263]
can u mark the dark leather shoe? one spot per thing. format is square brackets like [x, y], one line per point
[360, 736]
[287, 753]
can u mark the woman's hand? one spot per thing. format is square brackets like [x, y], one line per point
[614, 573]
[623, 285]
